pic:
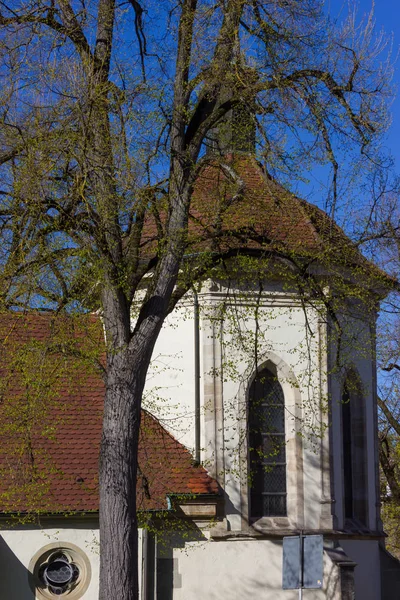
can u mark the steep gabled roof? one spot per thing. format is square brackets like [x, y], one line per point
[237, 206]
[50, 423]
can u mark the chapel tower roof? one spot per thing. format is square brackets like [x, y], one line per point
[237, 206]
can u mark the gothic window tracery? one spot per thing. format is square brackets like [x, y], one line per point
[354, 451]
[267, 447]
[59, 570]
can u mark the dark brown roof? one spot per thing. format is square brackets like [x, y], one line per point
[50, 423]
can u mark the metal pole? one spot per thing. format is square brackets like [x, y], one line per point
[196, 378]
[301, 565]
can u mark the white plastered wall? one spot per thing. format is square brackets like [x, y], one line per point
[287, 341]
[283, 345]
[241, 570]
[19, 545]
[169, 391]
[234, 569]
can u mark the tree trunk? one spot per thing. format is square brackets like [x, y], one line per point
[128, 359]
[118, 469]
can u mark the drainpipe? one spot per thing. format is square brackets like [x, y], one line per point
[196, 378]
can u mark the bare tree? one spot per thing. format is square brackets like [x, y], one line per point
[378, 234]
[106, 113]
[389, 458]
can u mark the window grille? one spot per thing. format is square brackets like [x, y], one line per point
[267, 447]
[354, 451]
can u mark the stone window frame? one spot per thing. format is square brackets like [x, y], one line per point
[78, 557]
[266, 400]
[294, 449]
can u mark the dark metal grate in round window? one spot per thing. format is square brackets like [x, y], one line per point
[58, 573]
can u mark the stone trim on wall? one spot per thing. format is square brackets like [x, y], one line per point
[294, 451]
[75, 556]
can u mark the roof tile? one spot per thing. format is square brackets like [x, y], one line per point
[51, 419]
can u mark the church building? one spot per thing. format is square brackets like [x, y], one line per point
[259, 419]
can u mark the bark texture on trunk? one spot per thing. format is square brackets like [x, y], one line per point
[118, 470]
[128, 359]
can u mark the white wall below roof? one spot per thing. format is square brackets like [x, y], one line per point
[226, 370]
[169, 391]
[282, 323]
[18, 546]
[284, 341]
[240, 570]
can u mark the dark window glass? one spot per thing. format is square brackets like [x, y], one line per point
[267, 449]
[274, 505]
[347, 454]
[354, 451]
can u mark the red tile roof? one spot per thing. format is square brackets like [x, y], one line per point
[252, 211]
[50, 423]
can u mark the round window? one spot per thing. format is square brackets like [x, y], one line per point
[59, 569]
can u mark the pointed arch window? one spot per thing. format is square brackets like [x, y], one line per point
[354, 451]
[267, 449]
